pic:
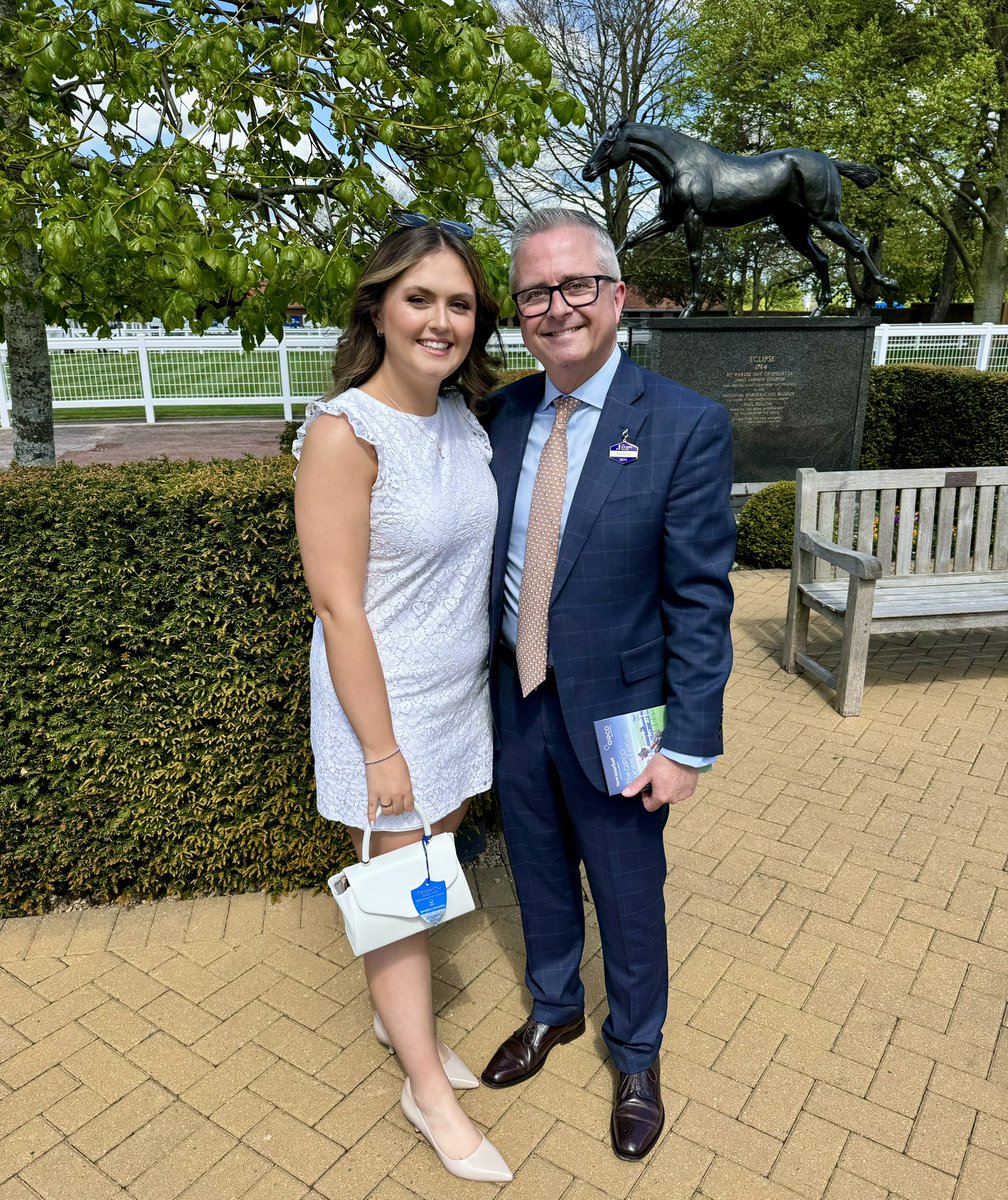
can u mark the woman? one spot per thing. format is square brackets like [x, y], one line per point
[395, 509]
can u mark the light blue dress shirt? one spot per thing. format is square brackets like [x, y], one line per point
[580, 431]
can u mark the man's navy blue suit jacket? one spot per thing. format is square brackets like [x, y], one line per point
[641, 601]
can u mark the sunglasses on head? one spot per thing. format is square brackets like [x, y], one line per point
[416, 220]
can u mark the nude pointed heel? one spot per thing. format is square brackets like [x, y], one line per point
[484, 1164]
[458, 1074]
[382, 1035]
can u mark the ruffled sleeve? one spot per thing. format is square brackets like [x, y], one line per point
[344, 405]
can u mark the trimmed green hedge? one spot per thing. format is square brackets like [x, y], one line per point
[916, 416]
[154, 692]
[153, 684]
[766, 526]
[923, 416]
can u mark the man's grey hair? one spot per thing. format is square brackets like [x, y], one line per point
[545, 220]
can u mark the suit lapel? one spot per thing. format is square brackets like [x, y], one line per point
[511, 430]
[600, 472]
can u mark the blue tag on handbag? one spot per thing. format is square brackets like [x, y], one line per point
[430, 900]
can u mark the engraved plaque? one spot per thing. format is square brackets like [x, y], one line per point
[795, 386]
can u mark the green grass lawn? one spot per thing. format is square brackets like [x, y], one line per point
[186, 373]
[178, 412]
[183, 373]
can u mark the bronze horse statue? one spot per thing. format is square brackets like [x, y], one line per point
[699, 185]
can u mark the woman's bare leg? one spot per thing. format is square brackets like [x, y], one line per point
[399, 980]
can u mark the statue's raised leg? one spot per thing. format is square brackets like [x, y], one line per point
[650, 229]
[838, 232]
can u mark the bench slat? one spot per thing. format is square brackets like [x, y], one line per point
[905, 536]
[897, 477]
[943, 540]
[987, 597]
[984, 527]
[866, 522]
[886, 528]
[925, 530]
[999, 559]
[964, 530]
[827, 519]
[845, 521]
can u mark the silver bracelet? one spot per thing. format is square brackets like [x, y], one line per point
[370, 762]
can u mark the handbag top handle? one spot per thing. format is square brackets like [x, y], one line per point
[366, 845]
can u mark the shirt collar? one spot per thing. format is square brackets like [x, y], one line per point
[593, 391]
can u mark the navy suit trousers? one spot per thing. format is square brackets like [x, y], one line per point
[554, 819]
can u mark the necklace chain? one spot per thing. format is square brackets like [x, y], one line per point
[419, 421]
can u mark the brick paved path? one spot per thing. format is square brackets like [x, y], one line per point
[838, 929]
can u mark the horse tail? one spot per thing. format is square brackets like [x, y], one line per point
[864, 176]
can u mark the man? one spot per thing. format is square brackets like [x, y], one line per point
[609, 594]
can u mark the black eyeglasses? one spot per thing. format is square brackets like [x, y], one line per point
[578, 293]
[415, 220]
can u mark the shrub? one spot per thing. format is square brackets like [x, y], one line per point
[154, 691]
[883, 409]
[766, 527]
[923, 416]
[287, 435]
[153, 687]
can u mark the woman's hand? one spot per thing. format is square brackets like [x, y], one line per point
[390, 789]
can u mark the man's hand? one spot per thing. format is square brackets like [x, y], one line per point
[669, 783]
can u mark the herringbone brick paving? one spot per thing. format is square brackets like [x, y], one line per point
[838, 935]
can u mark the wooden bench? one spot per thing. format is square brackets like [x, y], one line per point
[894, 551]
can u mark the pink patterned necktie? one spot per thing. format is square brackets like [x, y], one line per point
[541, 546]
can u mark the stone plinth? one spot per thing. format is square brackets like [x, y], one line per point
[795, 387]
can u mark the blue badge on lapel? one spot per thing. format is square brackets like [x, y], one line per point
[624, 451]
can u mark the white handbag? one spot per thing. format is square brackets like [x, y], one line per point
[389, 897]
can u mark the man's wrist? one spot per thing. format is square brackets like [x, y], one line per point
[698, 762]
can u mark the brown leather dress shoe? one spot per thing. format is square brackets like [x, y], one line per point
[524, 1052]
[638, 1113]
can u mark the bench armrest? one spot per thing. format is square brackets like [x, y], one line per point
[854, 562]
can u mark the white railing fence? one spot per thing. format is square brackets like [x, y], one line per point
[144, 369]
[148, 371]
[983, 347]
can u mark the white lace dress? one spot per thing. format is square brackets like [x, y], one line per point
[433, 512]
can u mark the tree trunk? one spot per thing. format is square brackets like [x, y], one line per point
[863, 288]
[757, 291]
[991, 278]
[963, 217]
[28, 360]
[947, 282]
[23, 315]
[757, 283]
[620, 206]
[735, 300]
[864, 305]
